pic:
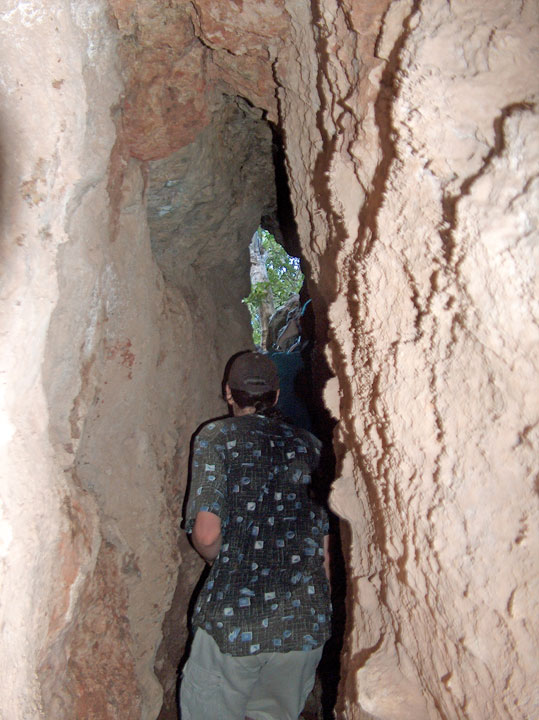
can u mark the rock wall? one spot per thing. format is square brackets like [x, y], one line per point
[113, 356]
[414, 179]
[136, 163]
[58, 86]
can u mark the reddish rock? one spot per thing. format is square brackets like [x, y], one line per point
[177, 61]
[89, 671]
[241, 28]
[165, 104]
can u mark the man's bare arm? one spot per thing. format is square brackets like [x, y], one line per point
[206, 535]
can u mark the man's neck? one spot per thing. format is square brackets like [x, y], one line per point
[238, 411]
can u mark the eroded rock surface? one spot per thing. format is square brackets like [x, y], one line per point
[136, 166]
[178, 59]
[424, 241]
[114, 363]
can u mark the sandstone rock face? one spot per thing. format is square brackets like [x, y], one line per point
[112, 364]
[136, 165]
[424, 240]
[179, 59]
[56, 138]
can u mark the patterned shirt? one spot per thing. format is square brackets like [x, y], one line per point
[267, 590]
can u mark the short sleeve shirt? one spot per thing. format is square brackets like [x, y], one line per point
[267, 590]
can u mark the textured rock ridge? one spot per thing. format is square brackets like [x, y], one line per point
[421, 227]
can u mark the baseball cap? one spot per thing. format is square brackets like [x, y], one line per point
[253, 373]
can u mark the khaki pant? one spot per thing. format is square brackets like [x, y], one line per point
[267, 686]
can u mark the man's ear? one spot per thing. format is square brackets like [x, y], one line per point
[228, 394]
[276, 397]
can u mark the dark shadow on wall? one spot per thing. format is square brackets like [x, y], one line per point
[320, 705]
[282, 224]
[316, 371]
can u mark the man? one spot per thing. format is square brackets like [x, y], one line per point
[263, 615]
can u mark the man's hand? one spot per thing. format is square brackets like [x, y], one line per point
[206, 535]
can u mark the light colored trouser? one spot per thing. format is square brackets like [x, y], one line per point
[267, 686]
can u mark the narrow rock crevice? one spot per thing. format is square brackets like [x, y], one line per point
[393, 147]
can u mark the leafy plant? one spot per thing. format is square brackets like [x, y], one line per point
[284, 279]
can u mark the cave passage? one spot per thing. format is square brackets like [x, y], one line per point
[143, 143]
[274, 300]
[190, 196]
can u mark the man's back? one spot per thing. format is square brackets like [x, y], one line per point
[267, 590]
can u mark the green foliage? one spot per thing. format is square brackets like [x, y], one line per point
[255, 322]
[284, 279]
[284, 275]
[259, 293]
